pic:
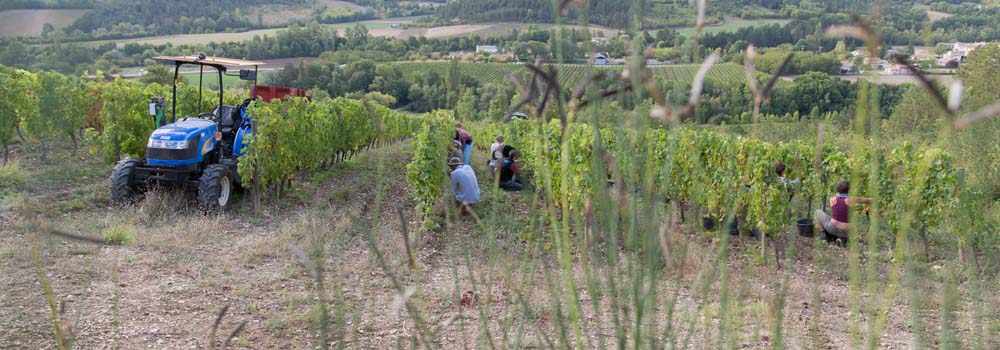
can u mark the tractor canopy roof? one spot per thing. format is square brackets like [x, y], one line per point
[219, 62]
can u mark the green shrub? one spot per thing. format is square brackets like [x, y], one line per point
[119, 235]
[12, 177]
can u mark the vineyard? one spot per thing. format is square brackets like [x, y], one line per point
[426, 173]
[112, 117]
[721, 173]
[611, 184]
[298, 136]
[569, 74]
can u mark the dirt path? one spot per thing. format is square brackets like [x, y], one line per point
[182, 268]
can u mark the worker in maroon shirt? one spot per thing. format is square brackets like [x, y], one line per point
[465, 139]
[836, 224]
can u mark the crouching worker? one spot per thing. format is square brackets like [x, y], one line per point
[836, 224]
[495, 155]
[463, 182]
[456, 150]
[507, 172]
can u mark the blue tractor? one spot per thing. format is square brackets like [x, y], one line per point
[194, 152]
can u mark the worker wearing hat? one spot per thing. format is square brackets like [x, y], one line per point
[463, 182]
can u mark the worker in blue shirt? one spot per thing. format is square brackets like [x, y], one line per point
[463, 182]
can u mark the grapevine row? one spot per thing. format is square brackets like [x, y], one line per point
[720, 172]
[426, 173]
[299, 135]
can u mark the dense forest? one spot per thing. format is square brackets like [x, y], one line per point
[905, 23]
[656, 13]
[970, 21]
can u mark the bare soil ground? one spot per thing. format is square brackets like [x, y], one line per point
[164, 289]
[31, 22]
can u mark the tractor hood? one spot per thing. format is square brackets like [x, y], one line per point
[182, 143]
[185, 129]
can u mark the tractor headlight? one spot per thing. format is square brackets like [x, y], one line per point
[167, 144]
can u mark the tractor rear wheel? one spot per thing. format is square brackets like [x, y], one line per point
[124, 187]
[215, 188]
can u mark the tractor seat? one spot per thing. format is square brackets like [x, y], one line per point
[228, 119]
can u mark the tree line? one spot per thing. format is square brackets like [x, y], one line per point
[46, 4]
[610, 13]
[167, 17]
[417, 87]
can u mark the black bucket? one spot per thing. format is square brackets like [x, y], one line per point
[708, 223]
[805, 227]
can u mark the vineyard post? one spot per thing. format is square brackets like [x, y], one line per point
[256, 180]
[817, 162]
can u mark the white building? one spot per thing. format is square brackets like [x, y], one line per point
[959, 53]
[966, 48]
[490, 49]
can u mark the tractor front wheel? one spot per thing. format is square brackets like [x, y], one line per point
[215, 188]
[124, 187]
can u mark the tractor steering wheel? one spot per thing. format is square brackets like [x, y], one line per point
[206, 115]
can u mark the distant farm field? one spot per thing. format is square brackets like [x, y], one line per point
[341, 4]
[731, 24]
[946, 80]
[487, 29]
[280, 14]
[200, 39]
[401, 28]
[31, 22]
